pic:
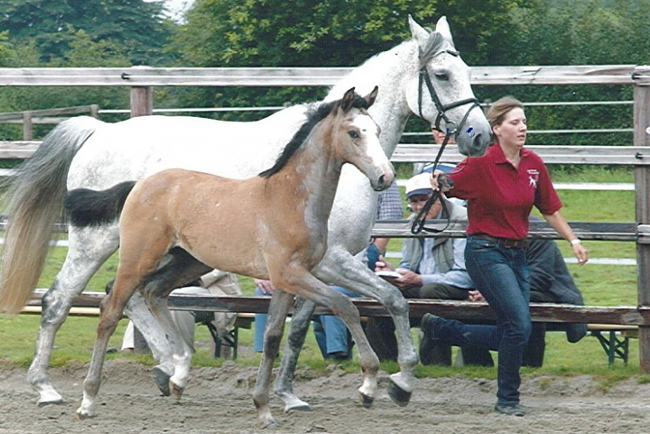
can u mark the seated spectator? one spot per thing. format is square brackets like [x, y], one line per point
[430, 268]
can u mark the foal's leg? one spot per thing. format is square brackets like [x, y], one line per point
[283, 387]
[111, 312]
[313, 289]
[278, 309]
[139, 257]
[340, 268]
[88, 249]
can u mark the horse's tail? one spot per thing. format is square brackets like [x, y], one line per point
[34, 200]
[86, 207]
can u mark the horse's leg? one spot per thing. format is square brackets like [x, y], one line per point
[180, 267]
[340, 268]
[88, 249]
[278, 309]
[182, 353]
[283, 388]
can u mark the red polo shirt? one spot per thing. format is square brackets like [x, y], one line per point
[500, 196]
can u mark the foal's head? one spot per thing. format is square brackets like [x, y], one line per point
[349, 132]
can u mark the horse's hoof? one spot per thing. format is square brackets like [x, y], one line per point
[162, 381]
[366, 400]
[42, 404]
[303, 407]
[81, 415]
[399, 396]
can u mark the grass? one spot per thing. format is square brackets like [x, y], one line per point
[602, 285]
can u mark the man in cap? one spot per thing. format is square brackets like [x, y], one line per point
[431, 267]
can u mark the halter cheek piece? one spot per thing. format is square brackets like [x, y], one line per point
[450, 130]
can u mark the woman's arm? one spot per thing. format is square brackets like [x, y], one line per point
[559, 223]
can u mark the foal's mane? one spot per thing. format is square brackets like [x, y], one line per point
[315, 114]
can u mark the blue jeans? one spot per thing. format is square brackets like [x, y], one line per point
[260, 325]
[331, 333]
[503, 278]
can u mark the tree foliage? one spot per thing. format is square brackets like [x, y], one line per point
[315, 34]
[139, 28]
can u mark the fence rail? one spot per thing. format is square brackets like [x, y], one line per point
[142, 79]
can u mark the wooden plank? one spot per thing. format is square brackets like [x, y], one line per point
[606, 155]
[412, 153]
[456, 229]
[66, 111]
[146, 76]
[463, 310]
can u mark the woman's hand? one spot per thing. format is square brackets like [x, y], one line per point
[438, 184]
[581, 253]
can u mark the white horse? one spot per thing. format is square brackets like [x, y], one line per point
[424, 75]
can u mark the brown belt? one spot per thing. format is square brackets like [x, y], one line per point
[505, 242]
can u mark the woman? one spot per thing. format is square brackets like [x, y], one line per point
[501, 188]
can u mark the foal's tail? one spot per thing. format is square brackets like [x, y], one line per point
[96, 208]
[33, 202]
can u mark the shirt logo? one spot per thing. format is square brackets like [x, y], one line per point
[533, 177]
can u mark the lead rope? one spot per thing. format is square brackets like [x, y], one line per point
[419, 221]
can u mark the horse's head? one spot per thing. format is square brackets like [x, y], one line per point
[441, 92]
[357, 139]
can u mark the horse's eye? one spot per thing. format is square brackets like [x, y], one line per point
[353, 134]
[442, 75]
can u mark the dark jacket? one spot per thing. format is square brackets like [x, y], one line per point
[550, 276]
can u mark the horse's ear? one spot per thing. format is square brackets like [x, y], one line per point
[418, 32]
[348, 100]
[443, 28]
[372, 96]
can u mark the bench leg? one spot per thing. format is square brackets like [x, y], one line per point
[614, 347]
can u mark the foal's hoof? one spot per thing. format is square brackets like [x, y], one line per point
[399, 396]
[162, 381]
[366, 400]
[176, 391]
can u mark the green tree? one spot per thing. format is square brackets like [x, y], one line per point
[265, 33]
[139, 27]
[591, 32]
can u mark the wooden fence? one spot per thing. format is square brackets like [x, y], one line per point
[142, 80]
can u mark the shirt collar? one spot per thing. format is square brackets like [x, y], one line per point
[497, 156]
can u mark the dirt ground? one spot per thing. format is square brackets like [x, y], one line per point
[218, 400]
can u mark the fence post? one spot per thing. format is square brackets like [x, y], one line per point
[642, 183]
[141, 105]
[27, 126]
[141, 101]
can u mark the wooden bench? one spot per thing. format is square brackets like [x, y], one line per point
[612, 326]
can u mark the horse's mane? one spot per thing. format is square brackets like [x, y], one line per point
[431, 48]
[315, 114]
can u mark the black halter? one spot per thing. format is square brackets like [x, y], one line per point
[450, 130]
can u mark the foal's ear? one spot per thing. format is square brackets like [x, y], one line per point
[372, 96]
[348, 100]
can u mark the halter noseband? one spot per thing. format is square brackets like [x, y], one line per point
[450, 129]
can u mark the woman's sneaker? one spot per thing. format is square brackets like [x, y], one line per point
[510, 410]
